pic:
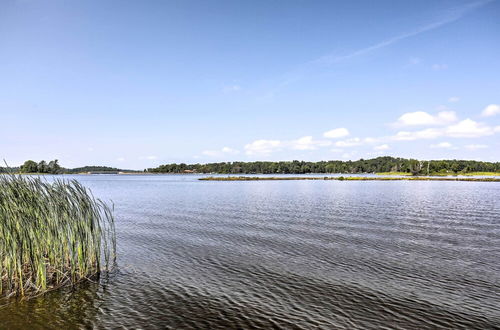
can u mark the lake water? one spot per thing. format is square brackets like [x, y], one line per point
[287, 254]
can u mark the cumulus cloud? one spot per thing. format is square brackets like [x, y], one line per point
[422, 118]
[381, 147]
[308, 143]
[450, 128]
[442, 145]
[491, 110]
[336, 133]
[475, 146]
[263, 147]
[468, 128]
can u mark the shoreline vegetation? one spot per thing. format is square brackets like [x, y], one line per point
[393, 165]
[345, 178]
[442, 174]
[52, 235]
[384, 166]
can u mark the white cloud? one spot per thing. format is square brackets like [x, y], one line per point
[263, 146]
[151, 157]
[475, 146]
[381, 147]
[308, 143]
[442, 145]
[438, 67]
[349, 143]
[349, 155]
[429, 133]
[420, 118]
[336, 133]
[370, 140]
[468, 128]
[491, 110]
[120, 159]
[223, 151]
[210, 153]
[453, 99]
[228, 150]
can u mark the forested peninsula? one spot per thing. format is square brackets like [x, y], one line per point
[53, 167]
[385, 164]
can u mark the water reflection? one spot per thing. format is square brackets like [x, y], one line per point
[288, 254]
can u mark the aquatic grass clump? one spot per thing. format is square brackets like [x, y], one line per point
[51, 234]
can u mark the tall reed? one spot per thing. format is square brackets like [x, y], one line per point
[51, 234]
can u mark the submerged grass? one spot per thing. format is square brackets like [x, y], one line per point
[51, 234]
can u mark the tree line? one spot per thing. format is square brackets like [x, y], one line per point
[375, 165]
[52, 167]
[379, 164]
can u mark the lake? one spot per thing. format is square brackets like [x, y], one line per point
[287, 254]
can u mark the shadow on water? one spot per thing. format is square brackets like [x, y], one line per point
[261, 301]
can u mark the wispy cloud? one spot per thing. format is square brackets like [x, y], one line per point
[447, 17]
[475, 146]
[381, 147]
[439, 67]
[450, 16]
[223, 151]
[231, 88]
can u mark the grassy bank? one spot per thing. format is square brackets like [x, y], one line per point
[482, 174]
[443, 174]
[342, 178]
[52, 234]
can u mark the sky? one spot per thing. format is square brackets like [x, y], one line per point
[136, 84]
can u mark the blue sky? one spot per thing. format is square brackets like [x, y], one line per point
[135, 84]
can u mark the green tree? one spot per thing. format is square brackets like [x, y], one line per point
[29, 166]
[53, 167]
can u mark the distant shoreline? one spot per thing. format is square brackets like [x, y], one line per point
[382, 176]
[347, 178]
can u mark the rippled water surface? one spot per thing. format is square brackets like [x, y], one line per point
[288, 254]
